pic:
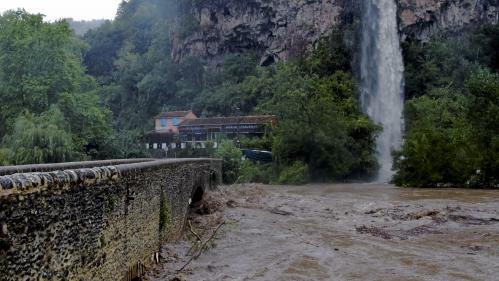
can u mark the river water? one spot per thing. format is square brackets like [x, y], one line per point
[346, 232]
[381, 73]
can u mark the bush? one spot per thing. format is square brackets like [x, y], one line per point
[255, 173]
[294, 174]
[231, 156]
[4, 156]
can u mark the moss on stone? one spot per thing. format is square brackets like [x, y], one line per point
[164, 214]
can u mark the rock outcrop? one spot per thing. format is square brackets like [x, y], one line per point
[422, 18]
[280, 29]
[277, 29]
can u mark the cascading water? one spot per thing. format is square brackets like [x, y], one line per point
[382, 77]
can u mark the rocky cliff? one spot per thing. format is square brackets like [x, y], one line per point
[278, 29]
[422, 18]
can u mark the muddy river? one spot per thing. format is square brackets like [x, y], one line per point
[340, 232]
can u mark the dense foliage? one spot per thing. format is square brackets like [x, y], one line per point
[50, 110]
[83, 26]
[452, 114]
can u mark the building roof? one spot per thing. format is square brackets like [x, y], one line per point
[260, 119]
[172, 114]
[154, 136]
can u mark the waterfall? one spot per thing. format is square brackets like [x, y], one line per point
[382, 78]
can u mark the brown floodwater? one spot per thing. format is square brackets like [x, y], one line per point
[346, 232]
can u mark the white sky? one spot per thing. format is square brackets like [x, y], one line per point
[57, 9]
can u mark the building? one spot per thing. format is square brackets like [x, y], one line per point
[177, 130]
[168, 122]
[165, 134]
[197, 131]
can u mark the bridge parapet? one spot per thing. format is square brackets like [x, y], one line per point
[101, 223]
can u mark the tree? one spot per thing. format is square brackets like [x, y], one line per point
[37, 61]
[319, 123]
[452, 137]
[452, 116]
[40, 72]
[41, 139]
[483, 116]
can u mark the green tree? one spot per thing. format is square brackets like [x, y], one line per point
[437, 149]
[41, 67]
[321, 124]
[41, 139]
[90, 125]
[451, 118]
[483, 116]
[37, 61]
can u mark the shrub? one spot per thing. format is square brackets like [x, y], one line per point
[255, 173]
[295, 174]
[231, 156]
[4, 156]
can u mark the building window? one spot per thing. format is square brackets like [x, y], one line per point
[163, 122]
[176, 121]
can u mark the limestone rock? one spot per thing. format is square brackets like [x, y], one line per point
[423, 18]
[281, 29]
[277, 29]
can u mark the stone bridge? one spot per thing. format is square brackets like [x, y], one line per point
[99, 220]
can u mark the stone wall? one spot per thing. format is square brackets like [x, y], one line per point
[102, 223]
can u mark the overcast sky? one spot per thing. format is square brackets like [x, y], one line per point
[56, 9]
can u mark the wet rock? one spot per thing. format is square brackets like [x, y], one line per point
[374, 231]
[280, 30]
[283, 211]
[424, 18]
[465, 219]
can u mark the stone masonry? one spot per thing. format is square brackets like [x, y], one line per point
[101, 223]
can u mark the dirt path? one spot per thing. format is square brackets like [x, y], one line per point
[345, 232]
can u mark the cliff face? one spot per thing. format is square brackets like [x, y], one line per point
[280, 29]
[422, 18]
[274, 28]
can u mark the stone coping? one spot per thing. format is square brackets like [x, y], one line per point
[60, 180]
[9, 170]
[132, 167]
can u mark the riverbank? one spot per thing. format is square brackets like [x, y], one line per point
[342, 232]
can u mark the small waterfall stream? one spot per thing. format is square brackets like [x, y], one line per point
[382, 77]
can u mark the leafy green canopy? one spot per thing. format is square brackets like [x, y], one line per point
[321, 125]
[40, 139]
[41, 74]
[452, 118]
